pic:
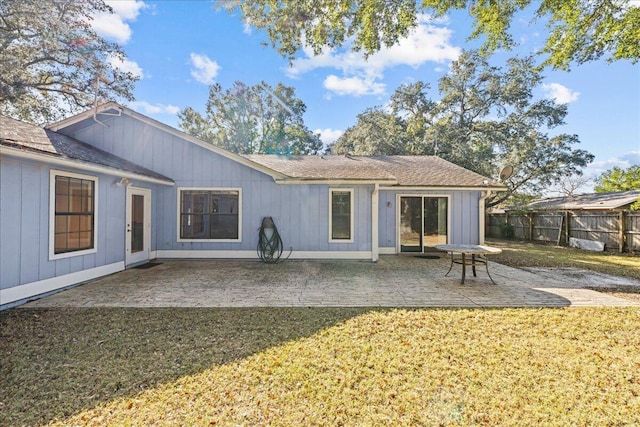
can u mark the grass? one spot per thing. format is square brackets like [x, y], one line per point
[320, 367]
[527, 254]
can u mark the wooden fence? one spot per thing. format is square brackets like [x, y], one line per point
[619, 230]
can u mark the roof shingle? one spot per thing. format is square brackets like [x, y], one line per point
[402, 170]
[25, 136]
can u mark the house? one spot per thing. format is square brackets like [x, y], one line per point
[111, 188]
[611, 201]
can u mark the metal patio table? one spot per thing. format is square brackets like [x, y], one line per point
[478, 254]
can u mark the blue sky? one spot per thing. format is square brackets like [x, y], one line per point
[179, 48]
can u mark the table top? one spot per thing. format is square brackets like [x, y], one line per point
[469, 249]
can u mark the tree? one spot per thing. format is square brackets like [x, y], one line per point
[618, 179]
[486, 117]
[570, 185]
[579, 30]
[253, 120]
[51, 59]
[376, 133]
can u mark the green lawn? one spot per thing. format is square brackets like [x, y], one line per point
[575, 366]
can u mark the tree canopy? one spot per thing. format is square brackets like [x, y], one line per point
[486, 118]
[618, 179]
[255, 119]
[51, 59]
[578, 30]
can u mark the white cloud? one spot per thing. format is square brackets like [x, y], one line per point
[353, 86]
[329, 136]
[113, 25]
[247, 29]
[561, 94]
[624, 161]
[148, 108]
[427, 42]
[204, 69]
[126, 66]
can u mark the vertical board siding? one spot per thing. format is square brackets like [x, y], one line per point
[10, 226]
[24, 224]
[301, 212]
[463, 213]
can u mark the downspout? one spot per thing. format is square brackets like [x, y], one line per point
[374, 222]
[481, 222]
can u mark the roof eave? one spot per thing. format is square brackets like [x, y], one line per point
[159, 125]
[78, 164]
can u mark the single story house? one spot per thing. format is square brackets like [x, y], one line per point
[111, 188]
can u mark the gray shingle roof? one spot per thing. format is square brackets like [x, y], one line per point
[28, 137]
[402, 170]
[592, 201]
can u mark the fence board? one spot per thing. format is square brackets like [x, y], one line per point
[550, 227]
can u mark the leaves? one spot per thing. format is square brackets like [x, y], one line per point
[579, 31]
[486, 117]
[255, 119]
[619, 179]
[51, 59]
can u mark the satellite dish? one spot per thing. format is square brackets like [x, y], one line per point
[506, 172]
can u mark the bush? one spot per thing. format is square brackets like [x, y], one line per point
[507, 231]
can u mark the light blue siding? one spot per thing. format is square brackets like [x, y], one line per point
[463, 211]
[301, 212]
[24, 224]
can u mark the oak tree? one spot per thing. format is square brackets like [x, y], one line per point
[53, 63]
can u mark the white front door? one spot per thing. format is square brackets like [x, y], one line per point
[138, 231]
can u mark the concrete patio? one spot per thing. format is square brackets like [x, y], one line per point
[394, 281]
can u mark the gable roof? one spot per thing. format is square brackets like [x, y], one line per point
[410, 171]
[591, 201]
[28, 140]
[103, 111]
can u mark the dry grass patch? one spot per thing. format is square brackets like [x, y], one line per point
[410, 367]
[527, 254]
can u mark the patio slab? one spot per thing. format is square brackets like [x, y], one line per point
[394, 281]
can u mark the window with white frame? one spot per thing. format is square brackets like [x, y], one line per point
[73, 214]
[209, 214]
[341, 215]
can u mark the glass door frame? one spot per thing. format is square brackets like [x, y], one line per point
[140, 256]
[422, 196]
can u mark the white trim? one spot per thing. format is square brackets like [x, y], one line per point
[32, 289]
[375, 214]
[422, 195]
[481, 212]
[387, 251]
[351, 214]
[166, 128]
[244, 254]
[143, 255]
[53, 173]
[333, 181]
[76, 164]
[444, 188]
[224, 189]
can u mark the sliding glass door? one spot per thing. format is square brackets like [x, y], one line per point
[423, 222]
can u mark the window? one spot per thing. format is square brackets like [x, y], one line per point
[73, 218]
[341, 215]
[209, 214]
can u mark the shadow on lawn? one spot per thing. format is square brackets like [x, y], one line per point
[57, 362]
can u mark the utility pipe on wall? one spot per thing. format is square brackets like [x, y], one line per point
[481, 222]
